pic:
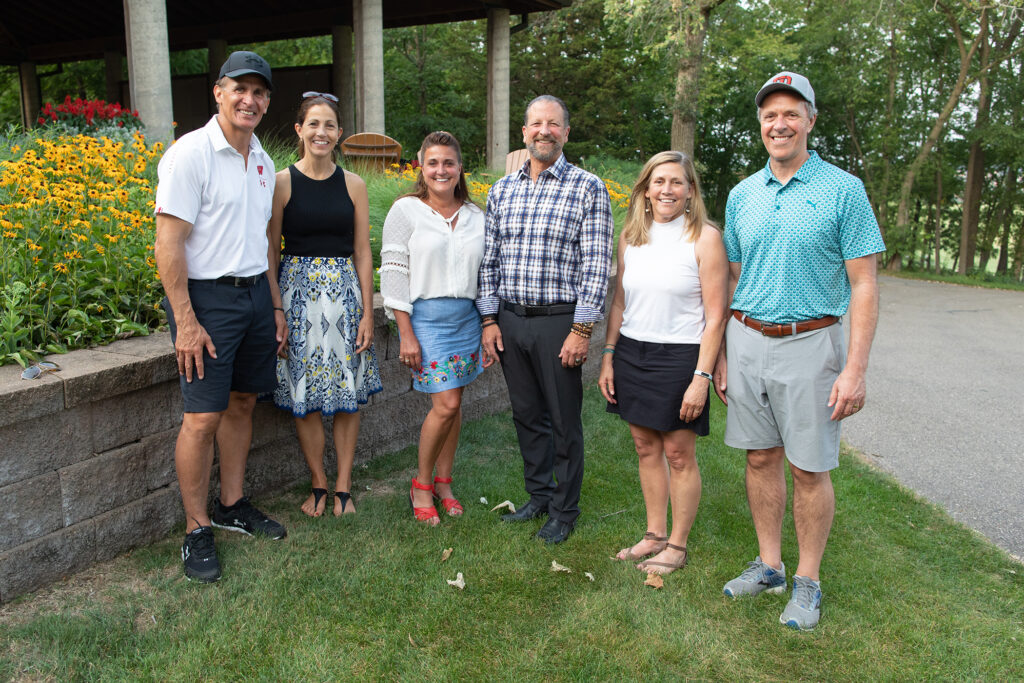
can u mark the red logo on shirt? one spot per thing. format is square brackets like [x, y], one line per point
[259, 169]
[263, 182]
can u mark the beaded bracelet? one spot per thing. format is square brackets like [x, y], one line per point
[585, 330]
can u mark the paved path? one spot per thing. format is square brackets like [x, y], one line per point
[945, 404]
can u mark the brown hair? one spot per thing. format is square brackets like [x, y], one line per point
[300, 118]
[638, 220]
[440, 138]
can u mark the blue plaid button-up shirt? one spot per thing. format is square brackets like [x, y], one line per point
[547, 242]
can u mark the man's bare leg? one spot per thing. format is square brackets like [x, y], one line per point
[766, 495]
[193, 457]
[234, 436]
[814, 506]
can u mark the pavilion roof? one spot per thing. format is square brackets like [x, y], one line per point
[50, 31]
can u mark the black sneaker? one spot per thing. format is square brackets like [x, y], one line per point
[243, 517]
[199, 556]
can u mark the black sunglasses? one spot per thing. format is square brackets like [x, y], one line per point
[326, 95]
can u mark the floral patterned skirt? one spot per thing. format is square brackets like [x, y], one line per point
[448, 331]
[323, 307]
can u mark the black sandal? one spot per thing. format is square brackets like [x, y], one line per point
[344, 497]
[318, 495]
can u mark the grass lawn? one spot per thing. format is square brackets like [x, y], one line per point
[909, 594]
[990, 280]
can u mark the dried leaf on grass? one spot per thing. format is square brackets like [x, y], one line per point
[588, 575]
[446, 553]
[507, 504]
[459, 582]
[412, 642]
[555, 567]
[654, 581]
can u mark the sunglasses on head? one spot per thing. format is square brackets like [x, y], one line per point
[326, 95]
[37, 370]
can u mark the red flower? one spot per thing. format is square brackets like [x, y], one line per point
[433, 365]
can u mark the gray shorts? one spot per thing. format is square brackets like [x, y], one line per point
[778, 390]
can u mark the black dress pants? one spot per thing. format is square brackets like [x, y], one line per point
[547, 400]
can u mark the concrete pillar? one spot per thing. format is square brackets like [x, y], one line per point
[370, 65]
[216, 55]
[112, 72]
[357, 75]
[149, 66]
[30, 100]
[341, 77]
[497, 87]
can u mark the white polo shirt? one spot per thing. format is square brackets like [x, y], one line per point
[205, 181]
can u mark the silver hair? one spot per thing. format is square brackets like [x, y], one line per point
[547, 98]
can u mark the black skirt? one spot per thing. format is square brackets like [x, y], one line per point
[650, 380]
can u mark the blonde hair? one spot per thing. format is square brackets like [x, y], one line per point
[638, 221]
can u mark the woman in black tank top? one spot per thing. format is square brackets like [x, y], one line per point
[328, 365]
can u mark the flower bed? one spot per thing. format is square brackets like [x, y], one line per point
[76, 241]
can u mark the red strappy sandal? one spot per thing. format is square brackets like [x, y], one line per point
[451, 505]
[427, 515]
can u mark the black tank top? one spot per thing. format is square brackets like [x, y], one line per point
[319, 218]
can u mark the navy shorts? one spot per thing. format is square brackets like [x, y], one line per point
[240, 321]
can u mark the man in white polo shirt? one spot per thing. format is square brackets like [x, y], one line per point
[213, 202]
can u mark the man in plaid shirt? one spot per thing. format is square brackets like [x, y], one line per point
[547, 252]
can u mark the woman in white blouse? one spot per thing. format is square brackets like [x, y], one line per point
[665, 325]
[431, 250]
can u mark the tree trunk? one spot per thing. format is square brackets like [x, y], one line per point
[1018, 253]
[693, 19]
[1006, 218]
[938, 216]
[975, 162]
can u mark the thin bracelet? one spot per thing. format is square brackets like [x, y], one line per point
[608, 348]
[278, 308]
[705, 375]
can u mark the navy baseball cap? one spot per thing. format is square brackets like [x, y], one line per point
[242, 62]
[786, 80]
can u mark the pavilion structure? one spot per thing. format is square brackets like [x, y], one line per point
[37, 34]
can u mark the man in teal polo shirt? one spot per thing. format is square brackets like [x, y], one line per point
[801, 239]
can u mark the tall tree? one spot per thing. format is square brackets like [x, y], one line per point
[966, 23]
[675, 29]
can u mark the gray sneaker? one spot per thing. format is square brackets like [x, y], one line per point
[804, 608]
[757, 578]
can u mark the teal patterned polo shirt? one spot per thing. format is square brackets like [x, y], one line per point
[793, 240]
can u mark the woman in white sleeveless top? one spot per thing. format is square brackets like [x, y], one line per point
[666, 323]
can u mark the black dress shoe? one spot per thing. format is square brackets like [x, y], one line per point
[555, 531]
[529, 511]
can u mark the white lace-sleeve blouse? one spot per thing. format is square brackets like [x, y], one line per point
[423, 257]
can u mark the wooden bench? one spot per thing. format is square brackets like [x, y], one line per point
[370, 151]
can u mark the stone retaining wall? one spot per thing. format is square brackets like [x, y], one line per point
[87, 454]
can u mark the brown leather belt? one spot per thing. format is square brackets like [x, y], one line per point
[784, 329]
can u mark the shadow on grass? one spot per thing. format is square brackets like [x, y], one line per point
[909, 594]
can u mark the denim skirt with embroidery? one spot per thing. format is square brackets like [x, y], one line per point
[323, 306]
[448, 330]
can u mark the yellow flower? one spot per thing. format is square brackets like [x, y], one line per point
[61, 267]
